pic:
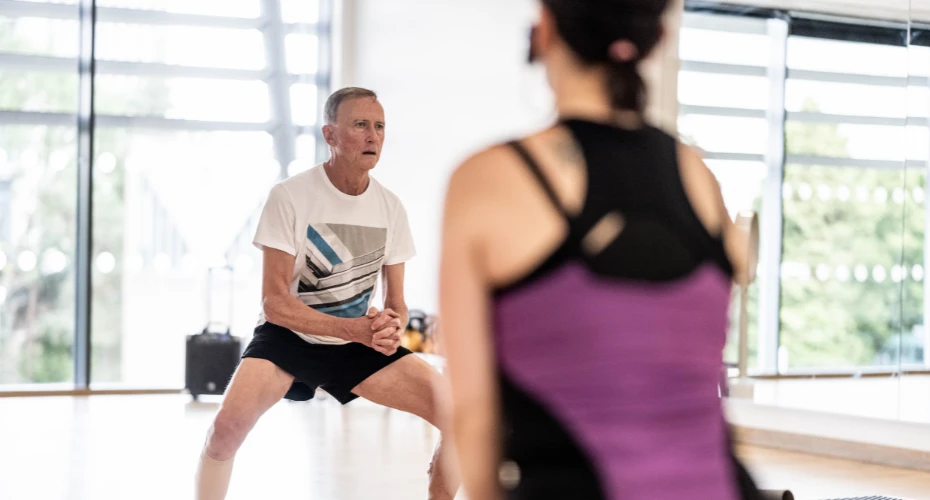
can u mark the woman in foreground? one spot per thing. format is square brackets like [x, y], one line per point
[585, 284]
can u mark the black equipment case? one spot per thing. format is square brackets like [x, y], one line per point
[212, 355]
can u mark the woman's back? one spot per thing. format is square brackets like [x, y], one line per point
[609, 350]
[584, 287]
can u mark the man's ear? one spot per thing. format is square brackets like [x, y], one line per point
[329, 134]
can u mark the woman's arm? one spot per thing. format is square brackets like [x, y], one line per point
[464, 312]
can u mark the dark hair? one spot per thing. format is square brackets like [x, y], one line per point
[331, 109]
[590, 28]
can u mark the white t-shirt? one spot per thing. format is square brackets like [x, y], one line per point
[340, 241]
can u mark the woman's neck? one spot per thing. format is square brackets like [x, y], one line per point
[585, 97]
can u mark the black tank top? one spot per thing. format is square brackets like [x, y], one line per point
[633, 176]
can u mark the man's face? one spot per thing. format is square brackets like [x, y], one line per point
[358, 134]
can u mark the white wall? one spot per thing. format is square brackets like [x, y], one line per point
[453, 79]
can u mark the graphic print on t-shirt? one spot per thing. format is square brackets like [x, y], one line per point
[342, 266]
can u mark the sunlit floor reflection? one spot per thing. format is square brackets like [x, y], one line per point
[145, 447]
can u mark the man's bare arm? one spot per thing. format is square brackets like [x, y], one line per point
[283, 309]
[394, 292]
[395, 313]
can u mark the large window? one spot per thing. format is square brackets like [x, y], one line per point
[38, 152]
[200, 106]
[724, 91]
[824, 134]
[844, 199]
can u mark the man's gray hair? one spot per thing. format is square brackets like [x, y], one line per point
[331, 110]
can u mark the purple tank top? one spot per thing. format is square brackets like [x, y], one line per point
[631, 372]
[611, 364]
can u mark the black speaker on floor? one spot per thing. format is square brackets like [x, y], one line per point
[213, 354]
[212, 359]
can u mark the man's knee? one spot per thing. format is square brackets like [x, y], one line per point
[226, 435]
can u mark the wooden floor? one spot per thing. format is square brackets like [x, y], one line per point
[146, 447]
[814, 477]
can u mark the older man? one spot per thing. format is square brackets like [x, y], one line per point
[327, 234]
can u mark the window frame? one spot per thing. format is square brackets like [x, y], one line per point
[779, 26]
[275, 75]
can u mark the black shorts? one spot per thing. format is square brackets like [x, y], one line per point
[337, 369]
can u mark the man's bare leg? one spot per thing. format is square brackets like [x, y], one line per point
[442, 484]
[256, 386]
[411, 385]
